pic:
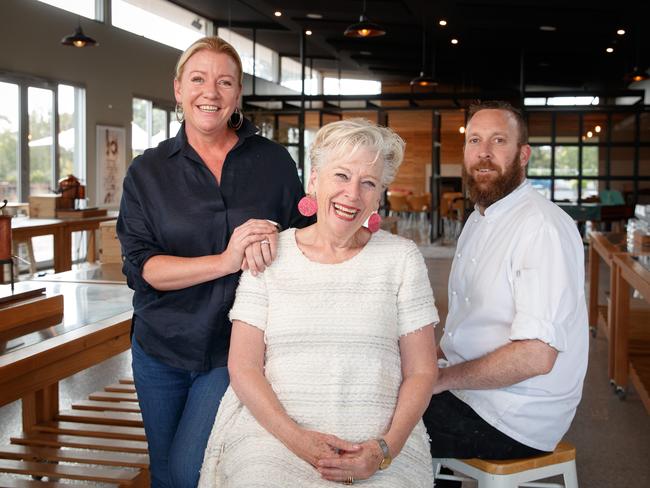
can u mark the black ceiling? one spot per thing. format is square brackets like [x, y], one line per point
[498, 40]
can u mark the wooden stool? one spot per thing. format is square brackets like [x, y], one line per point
[30, 256]
[516, 472]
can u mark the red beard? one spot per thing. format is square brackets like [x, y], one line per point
[486, 189]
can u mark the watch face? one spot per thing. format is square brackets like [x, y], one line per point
[385, 463]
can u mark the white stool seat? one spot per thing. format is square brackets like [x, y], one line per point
[513, 473]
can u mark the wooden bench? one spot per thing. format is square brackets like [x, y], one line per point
[99, 443]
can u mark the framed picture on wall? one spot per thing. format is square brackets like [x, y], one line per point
[111, 165]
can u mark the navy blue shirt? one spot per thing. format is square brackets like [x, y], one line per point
[173, 205]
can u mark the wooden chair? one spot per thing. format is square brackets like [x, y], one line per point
[398, 203]
[516, 472]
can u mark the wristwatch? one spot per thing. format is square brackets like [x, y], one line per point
[387, 457]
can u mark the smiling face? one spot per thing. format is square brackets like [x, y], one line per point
[348, 189]
[494, 161]
[208, 90]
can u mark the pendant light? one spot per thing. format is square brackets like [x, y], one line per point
[636, 74]
[79, 39]
[423, 79]
[364, 28]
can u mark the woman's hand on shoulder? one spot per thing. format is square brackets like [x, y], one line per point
[313, 446]
[246, 248]
[360, 464]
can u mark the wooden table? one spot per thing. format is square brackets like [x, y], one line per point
[601, 245]
[96, 326]
[61, 229]
[630, 331]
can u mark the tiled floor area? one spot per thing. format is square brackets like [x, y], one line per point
[612, 436]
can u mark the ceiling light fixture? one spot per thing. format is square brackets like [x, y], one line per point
[442, 22]
[425, 80]
[597, 128]
[609, 50]
[314, 16]
[196, 23]
[308, 32]
[79, 39]
[637, 73]
[461, 129]
[547, 28]
[364, 28]
[621, 32]
[454, 41]
[277, 13]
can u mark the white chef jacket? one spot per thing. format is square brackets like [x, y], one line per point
[518, 273]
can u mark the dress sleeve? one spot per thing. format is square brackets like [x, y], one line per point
[415, 304]
[546, 283]
[136, 238]
[251, 301]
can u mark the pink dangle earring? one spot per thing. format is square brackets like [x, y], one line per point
[307, 206]
[374, 222]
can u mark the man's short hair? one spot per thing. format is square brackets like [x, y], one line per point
[474, 108]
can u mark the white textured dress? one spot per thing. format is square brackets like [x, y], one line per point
[332, 358]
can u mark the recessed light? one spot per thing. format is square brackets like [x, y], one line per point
[610, 49]
[365, 53]
[308, 32]
[442, 22]
[277, 13]
[621, 32]
[590, 134]
[461, 129]
[597, 128]
[314, 16]
[547, 28]
[454, 41]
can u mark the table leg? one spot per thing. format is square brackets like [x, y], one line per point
[611, 319]
[621, 332]
[91, 256]
[40, 406]
[62, 250]
[594, 263]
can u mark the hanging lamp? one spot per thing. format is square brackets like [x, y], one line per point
[364, 28]
[636, 74]
[423, 79]
[79, 39]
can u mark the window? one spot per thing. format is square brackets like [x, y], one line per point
[151, 124]
[86, 8]
[347, 86]
[9, 118]
[161, 21]
[265, 60]
[291, 74]
[561, 101]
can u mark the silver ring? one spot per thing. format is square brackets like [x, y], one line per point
[265, 241]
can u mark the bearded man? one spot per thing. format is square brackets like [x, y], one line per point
[516, 336]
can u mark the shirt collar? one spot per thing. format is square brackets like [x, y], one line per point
[247, 130]
[507, 202]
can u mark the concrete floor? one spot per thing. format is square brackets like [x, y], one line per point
[612, 437]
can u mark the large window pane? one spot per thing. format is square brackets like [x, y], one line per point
[160, 20]
[590, 160]
[9, 118]
[41, 146]
[589, 189]
[242, 45]
[291, 74]
[566, 190]
[71, 103]
[159, 132]
[566, 160]
[139, 125]
[542, 186]
[540, 161]
[266, 63]
[86, 8]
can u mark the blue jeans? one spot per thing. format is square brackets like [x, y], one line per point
[178, 409]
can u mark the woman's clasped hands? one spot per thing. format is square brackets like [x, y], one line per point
[349, 465]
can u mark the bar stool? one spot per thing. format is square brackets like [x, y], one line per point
[29, 251]
[513, 473]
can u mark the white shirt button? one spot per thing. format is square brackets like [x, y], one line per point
[473, 260]
[467, 299]
[458, 255]
[453, 292]
[449, 334]
[475, 220]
